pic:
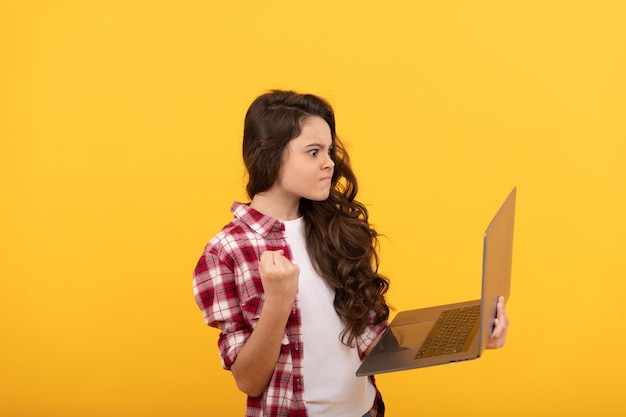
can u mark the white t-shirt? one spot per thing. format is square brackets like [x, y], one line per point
[331, 388]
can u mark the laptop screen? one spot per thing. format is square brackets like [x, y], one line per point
[497, 260]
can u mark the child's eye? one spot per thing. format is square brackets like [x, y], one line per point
[313, 152]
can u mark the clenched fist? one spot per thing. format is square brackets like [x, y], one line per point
[279, 277]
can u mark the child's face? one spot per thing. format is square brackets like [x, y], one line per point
[307, 167]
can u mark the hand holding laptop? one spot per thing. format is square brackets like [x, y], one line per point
[501, 325]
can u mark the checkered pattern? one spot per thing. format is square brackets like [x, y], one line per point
[228, 290]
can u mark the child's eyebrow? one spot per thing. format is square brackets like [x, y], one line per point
[317, 145]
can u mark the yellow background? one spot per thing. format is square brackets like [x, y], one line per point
[121, 125]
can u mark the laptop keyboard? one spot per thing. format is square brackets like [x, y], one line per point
[451, 332]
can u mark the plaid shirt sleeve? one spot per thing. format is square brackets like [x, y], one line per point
[371, 332]
[216, 293]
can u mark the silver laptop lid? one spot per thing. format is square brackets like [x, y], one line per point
[497, 260]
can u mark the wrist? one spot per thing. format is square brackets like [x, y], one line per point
[277, 306]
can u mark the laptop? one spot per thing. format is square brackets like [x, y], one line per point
[452, 332]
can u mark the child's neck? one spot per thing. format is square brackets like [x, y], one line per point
[279, 208]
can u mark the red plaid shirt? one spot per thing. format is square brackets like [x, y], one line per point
[228, 290]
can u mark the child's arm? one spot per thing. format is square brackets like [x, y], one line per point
[256, 360]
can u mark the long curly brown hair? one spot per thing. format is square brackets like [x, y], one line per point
[340, 241]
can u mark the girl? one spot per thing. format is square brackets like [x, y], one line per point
[292, 282]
